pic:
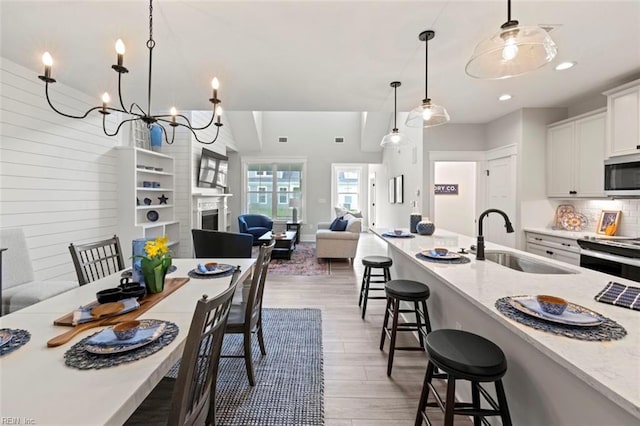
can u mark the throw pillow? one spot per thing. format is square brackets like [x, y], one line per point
[357, 214]
[348, 216]
[340, 212]
[338, 224]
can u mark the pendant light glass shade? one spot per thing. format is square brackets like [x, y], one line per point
[427, 114]
[512, 51]
[395, 138]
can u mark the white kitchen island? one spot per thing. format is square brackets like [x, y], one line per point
[551, 379]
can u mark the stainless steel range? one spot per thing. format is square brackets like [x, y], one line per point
[615, 257]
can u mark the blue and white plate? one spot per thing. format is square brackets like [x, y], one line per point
[574, 314]
[433, 255]
[220, 269]
[394, 235]
[106, 342]
[5, 337]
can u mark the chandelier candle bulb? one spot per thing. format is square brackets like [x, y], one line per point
[173, 113]
[120, 51]
[105, 101]
[215, 84]
[219, 114]
[47, 60]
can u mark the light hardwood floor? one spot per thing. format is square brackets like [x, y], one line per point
[357, 390]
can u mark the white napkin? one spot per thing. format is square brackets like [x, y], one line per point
[83, 313]
[567, 316]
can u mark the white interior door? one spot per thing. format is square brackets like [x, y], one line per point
[501, 194]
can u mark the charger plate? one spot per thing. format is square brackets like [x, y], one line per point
[517, 302]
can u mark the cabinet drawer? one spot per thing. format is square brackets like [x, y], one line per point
[570, 257]
[565, 244]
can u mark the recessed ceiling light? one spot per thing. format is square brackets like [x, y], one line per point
[564, 66]
[504, 97]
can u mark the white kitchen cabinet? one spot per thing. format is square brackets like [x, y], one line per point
[563, 249]
[623, 120]
[575, 156]
[145, 180]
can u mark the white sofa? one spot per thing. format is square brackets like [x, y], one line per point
[19, 287]
[338, 244]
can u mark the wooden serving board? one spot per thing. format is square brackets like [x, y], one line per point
[170, 285]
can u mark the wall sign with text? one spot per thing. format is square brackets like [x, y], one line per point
[447, 189]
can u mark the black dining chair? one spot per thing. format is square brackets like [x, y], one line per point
[220, 244]
[96, 260]
[246, 317]
[190, 398]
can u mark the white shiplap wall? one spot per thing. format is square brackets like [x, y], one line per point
[57, 175]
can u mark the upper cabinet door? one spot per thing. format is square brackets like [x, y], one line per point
[560, 160]
[623, 119]
[590, 135]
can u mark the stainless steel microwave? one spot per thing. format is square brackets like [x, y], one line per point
[622, 176]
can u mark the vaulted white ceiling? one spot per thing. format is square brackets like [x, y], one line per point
[321, 55]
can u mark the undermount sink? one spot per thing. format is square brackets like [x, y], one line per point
[522, 263]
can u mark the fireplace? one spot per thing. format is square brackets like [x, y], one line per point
[210, 219]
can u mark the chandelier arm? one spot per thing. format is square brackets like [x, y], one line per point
[137, 106]
[104, 125]
[120, 92]
[195, 135]
[46, 91]
[213, 116]
[164, 132]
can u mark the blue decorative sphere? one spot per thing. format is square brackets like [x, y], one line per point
[425, 227]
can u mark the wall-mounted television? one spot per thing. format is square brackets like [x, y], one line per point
[213, 170]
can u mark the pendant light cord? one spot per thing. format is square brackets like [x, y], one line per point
[508, 10]
[395, 107]
[150, 45]
[426, 69]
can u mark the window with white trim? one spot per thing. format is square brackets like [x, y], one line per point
[270, 187]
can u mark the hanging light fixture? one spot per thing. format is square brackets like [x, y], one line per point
[427, 114]
[395, 138]
[512, 51]
[173, 119]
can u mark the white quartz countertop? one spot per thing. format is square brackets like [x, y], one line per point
[612, 368]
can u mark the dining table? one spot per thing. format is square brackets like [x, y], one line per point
[36, 387]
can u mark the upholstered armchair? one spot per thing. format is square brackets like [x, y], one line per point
[254, 224]
[19, 286]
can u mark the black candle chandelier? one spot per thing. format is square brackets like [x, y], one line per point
[173, 119]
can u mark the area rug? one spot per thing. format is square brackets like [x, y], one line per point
[303, 262]
[289, 386]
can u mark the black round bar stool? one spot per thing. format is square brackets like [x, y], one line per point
[370, 263]
[460, 355]
[415, 293]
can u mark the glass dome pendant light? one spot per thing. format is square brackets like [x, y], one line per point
[512, 51]
[395, 138]
[427, 114]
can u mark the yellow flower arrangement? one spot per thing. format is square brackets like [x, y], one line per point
[155, 264]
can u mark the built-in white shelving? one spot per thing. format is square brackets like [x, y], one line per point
[138, 180]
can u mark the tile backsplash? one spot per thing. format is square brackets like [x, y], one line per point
[629, 221]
